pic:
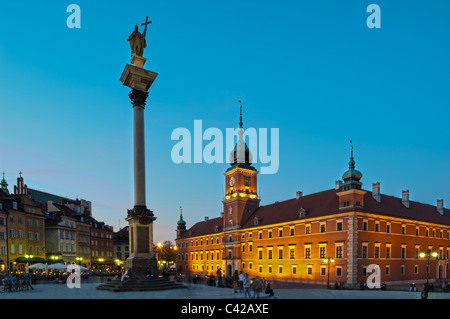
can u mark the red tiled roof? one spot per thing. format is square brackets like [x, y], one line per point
[315, 205]
[66, 211]
[204, 228]
[393, 207]
[122, 232]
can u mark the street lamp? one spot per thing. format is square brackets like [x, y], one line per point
[79, 260]
[428, 255]
[328, 260]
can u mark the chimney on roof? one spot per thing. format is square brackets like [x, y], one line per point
[337, 185]
[376, 191]
[206, 218]
[440, 206]
[298, 195]
[221, 214]
[405, 198]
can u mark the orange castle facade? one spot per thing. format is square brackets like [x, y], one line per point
[335, 234]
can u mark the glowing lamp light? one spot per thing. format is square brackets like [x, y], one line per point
[422, 255]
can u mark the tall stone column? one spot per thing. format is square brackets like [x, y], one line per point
[140, 218]
[138, 99]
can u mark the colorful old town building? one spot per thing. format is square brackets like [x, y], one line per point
[336, 235]
[38, 227]
[22, 232]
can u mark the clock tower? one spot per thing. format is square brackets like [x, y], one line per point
[241, 200]
[241, 197]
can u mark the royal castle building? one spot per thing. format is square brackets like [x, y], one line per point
[329, 236]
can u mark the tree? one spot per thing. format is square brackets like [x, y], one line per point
[168, 253]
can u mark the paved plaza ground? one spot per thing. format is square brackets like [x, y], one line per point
[198, 291]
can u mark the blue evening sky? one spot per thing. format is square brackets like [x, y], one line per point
[313, 69]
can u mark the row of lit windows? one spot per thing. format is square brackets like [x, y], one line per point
[12, 218]
[213, 254]
[427, 233]
[83, 228]
[403, 251]
[95, 242]
[12, 234]
[281, 232]
[101, 235]
[270, 234]
[280, 269]
[101, 253]
[20, 249]
[387, 270]
[193, 243]
[291, 252]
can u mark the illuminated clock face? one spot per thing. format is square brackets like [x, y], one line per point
[232, 181]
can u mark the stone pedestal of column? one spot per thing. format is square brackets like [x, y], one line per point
[141, 259]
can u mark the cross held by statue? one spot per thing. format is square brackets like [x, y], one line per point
[146, 23]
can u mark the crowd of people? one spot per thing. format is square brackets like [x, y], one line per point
[14, 282]
[243, 284]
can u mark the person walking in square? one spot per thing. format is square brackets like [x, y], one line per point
[247, 284]
[126, 274]
[235, 281]
[257, 287]
[241, 282]
[219, 277]
[27, 281]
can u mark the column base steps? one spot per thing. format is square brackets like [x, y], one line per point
[140, 284]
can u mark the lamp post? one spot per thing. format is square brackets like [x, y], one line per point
[428, 255]
[79, 260]
[328, 260]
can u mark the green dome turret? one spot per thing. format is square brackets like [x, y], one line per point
[351, 177]
[181, 224]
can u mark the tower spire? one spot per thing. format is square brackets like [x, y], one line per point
[351, 164]
[352, 176]
[240, 115]
[20, 188]
[241, 153]
[4, 184]
[181, 224]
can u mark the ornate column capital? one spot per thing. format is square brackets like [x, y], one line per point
[141, 213]
[138, 97]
